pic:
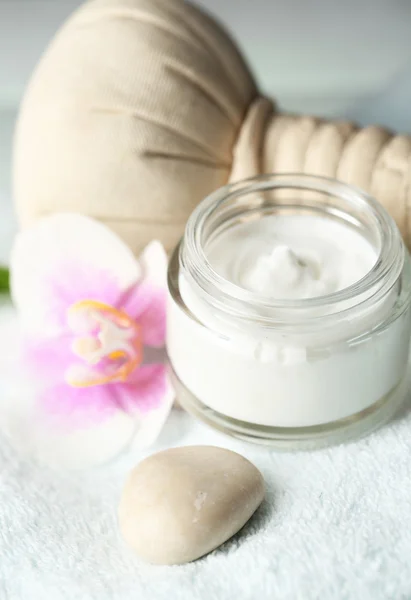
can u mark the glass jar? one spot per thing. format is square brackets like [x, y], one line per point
[298, 373]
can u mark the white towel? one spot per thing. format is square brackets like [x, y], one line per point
[336, 524]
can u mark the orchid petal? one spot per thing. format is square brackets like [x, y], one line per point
[47, 359]
[146, 304]
[144, 404]
[52, 442]
[151, 424]
[144, 390]
[75, 250]
[153, 320]
[77, 407]
[150, 396]
[154, 263]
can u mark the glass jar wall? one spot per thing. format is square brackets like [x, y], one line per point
[291, 372]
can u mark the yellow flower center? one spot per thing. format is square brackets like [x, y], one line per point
[109, 343]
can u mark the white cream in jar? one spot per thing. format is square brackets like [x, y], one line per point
[292, 257]
[285, 317]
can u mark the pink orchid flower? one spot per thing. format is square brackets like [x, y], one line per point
[94, 321]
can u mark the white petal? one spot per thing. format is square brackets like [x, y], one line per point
[79, 449]
[58, 240]
[154, 263]
[151, 423]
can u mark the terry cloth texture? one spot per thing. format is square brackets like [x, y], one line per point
[335, 525]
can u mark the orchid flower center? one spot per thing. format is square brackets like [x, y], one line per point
[108, 342]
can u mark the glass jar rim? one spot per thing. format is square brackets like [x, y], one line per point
[382, 276]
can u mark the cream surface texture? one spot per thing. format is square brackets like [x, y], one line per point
[296, 257]
[296, 379]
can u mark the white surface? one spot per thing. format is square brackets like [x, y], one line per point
[336, 525]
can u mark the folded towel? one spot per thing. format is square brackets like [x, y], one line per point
[336, 523]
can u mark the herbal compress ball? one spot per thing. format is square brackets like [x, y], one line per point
[140, 108]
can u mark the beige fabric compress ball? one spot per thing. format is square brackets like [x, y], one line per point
[140, 108]
[131, 117]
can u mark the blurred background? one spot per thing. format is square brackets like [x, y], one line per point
[350, 59]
